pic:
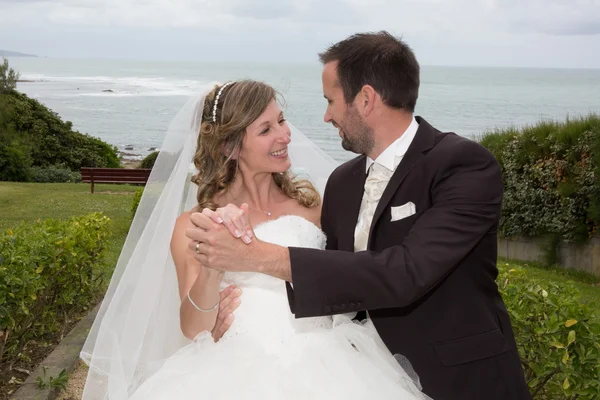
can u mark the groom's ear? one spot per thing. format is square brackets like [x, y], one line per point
[367, 99]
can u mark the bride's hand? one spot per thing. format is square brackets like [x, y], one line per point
[234, 218]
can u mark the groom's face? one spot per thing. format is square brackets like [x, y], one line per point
[356, 136]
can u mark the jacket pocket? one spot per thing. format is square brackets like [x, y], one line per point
[472, 348]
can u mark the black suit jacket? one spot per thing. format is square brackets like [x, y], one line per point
[428, 280]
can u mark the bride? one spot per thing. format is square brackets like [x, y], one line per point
[152, 337]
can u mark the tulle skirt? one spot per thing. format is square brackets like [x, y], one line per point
[348, 361]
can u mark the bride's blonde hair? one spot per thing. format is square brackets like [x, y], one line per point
[239, 104]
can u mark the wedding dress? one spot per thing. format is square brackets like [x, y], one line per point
[268, 354]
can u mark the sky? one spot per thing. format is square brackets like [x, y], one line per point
[517, 33]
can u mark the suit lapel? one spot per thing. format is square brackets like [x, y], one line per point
[353, 199]
[424, 140]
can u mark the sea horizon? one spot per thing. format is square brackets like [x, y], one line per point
[288, 63]
[131, 101]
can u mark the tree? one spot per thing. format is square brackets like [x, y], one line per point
[8, 77]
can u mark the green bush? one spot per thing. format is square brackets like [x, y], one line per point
[51, 140]
[551, 177]
[149, 160]
[14, 163]
[47, 270]
[557, 336]
[54, 174]
[31, 135]
[137, 196]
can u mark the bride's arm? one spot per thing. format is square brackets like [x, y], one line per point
[201, 283]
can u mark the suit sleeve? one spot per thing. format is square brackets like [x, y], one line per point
[466, 196]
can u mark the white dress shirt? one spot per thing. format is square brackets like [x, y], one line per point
[377, 180]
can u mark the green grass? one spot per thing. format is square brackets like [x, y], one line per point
[31, 201]
[587, 284]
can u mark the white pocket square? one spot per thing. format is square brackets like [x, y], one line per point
[403, 211]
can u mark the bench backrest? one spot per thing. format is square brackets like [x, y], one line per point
[138, 175]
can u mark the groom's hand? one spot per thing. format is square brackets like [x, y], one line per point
[234, 218]
[216, 248]
[230, 300]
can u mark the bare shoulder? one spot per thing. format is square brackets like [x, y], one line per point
[315, 215]
[182, 223]
[312, 214]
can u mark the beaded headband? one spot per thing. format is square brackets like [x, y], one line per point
[214, 112]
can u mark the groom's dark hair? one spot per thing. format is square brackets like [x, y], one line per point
[380, 60]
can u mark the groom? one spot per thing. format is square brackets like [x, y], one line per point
[411, 229]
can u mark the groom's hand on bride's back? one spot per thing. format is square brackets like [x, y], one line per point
[229, 301]
[235, 220]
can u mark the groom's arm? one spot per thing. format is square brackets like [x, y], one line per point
[467, 200]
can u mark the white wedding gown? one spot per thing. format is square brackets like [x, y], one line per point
[268, 354]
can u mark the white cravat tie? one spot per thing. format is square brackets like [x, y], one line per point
[377, 180]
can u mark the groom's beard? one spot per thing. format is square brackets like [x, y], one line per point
[361, 140]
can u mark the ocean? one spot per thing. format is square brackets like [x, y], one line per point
[130, 103]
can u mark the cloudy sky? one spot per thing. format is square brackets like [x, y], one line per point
[531, 33]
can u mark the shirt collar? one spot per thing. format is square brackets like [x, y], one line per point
[392, 155]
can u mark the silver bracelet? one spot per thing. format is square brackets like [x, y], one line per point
[202, 309]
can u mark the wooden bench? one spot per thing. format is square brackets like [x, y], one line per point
[115, 175]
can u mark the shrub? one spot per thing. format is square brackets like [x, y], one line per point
[33, 135]
[14, 163]
[137, 196]
[149, 160]
[557, 336]
[551, 177]
[51, 140]
[54, 174]
[47, 270]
